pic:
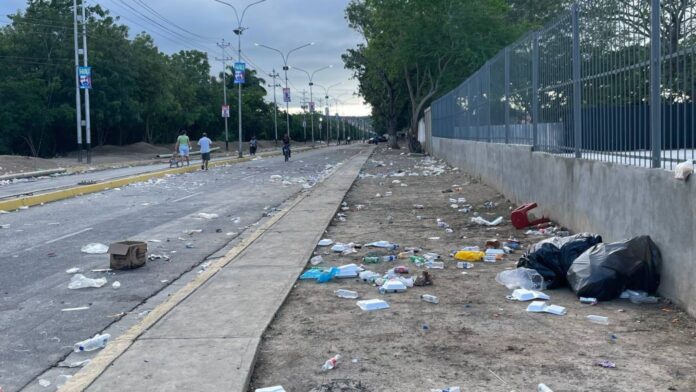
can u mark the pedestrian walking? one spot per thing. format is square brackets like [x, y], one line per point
[253, 143]
[184, 147]
[204, 142]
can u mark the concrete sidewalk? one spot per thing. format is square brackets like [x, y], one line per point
[209, 339]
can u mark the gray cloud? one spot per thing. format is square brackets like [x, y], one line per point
[282, 24]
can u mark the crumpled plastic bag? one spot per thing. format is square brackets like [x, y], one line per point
[684, 170]
[79, 281]
[95, 249]
[521, 278]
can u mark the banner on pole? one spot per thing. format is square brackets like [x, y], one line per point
[85, 77]
[286, 94]
[326, 111]
[311, 106]
[226, 111]
[239, 69]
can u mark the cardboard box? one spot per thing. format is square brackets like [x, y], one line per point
[127, 254]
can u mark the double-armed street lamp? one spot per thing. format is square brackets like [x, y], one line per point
[238, 31]
[286, 90]
[311, 97]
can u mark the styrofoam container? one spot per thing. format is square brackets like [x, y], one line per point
[528, 295]
[393, 286]
[372, 304]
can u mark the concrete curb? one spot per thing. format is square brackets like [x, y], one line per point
[90, 373]
[38, 173]
[28, 201]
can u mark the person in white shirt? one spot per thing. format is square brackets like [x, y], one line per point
[204, 142]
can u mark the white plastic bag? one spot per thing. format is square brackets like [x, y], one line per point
[95, 248]
[684, 170]
[80, 281]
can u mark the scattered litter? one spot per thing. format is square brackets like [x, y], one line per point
[541, 306]
[524, 278]
[383, 244]
[435, 265]
[588, 300]
[543, 388]
[341, 293]
[91, 344]
[527, 295]
[230, 234]
[331, 362]
[6, 226]
[116, 285]
[418, 206]
[276, 178]
[423, 280]
[24, 207]
[449, 389]
[79, 281]
[95, 248]
[154, 257]
[464, 265]
[236, 220]
[606, 364]
[189, 246]
[378, 195]
[598, 319]
[154, 241]
[359, 207]
[316, 260]
[484, 222]
[75, 364]
[430, 298]
[392, 286]
[469, 255]
[369, 276]
[433, 238]
[192, 232]
[276, 388]
[325, 242]
[102, 270]
[73, 270]
[639, 297]
[44, 383]
[207, 216]
[74, 309]
[372, 304]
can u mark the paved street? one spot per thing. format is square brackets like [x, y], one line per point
[41, 243]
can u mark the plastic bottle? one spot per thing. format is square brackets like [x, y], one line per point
[384, 244]
[588, 300]
[430, 298]
[388, 258]
[464, 265]
[341, 293]
[598, 319]
[331, 363]
[418, 259]
[97, 342]
[544, 388]
[371, 259]
[405, 255]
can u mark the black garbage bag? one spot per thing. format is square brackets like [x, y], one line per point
[552, 257]
[606, 270]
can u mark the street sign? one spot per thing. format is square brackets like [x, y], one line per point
[304, 124]
[239, 69]
[311, 106]
[286, 94]
[226, 111]
[85, 77]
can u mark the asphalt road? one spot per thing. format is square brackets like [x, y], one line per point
[41, 243]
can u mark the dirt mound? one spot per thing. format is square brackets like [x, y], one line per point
[135, 148]
[10, 164]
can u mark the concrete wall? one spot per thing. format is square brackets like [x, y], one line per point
[615, 201]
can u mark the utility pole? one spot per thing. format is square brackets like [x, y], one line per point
[274, 75]
[85, 62]
[225, 114]
[78, 101]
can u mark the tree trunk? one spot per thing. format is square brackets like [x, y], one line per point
[391, 131]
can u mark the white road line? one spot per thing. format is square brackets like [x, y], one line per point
[67, 236]
[186, 197]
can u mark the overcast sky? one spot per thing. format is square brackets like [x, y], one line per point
[282, 24]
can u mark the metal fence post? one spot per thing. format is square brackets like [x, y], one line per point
[489, 92]
[577, 93]
[507, 95]
[655, 78]
[535, 90]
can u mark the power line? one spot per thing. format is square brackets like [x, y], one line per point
[154, 12]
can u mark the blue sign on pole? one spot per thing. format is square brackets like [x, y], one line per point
[239, 69]
[85, 77]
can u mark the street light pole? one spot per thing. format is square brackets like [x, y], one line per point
[238, 31]
[274, 75]
[85, 62]
[224, 59]
[78, 98]
[285, 57]
[311, 96]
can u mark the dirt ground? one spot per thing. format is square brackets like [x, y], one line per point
[104, 157]
[474, 338]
